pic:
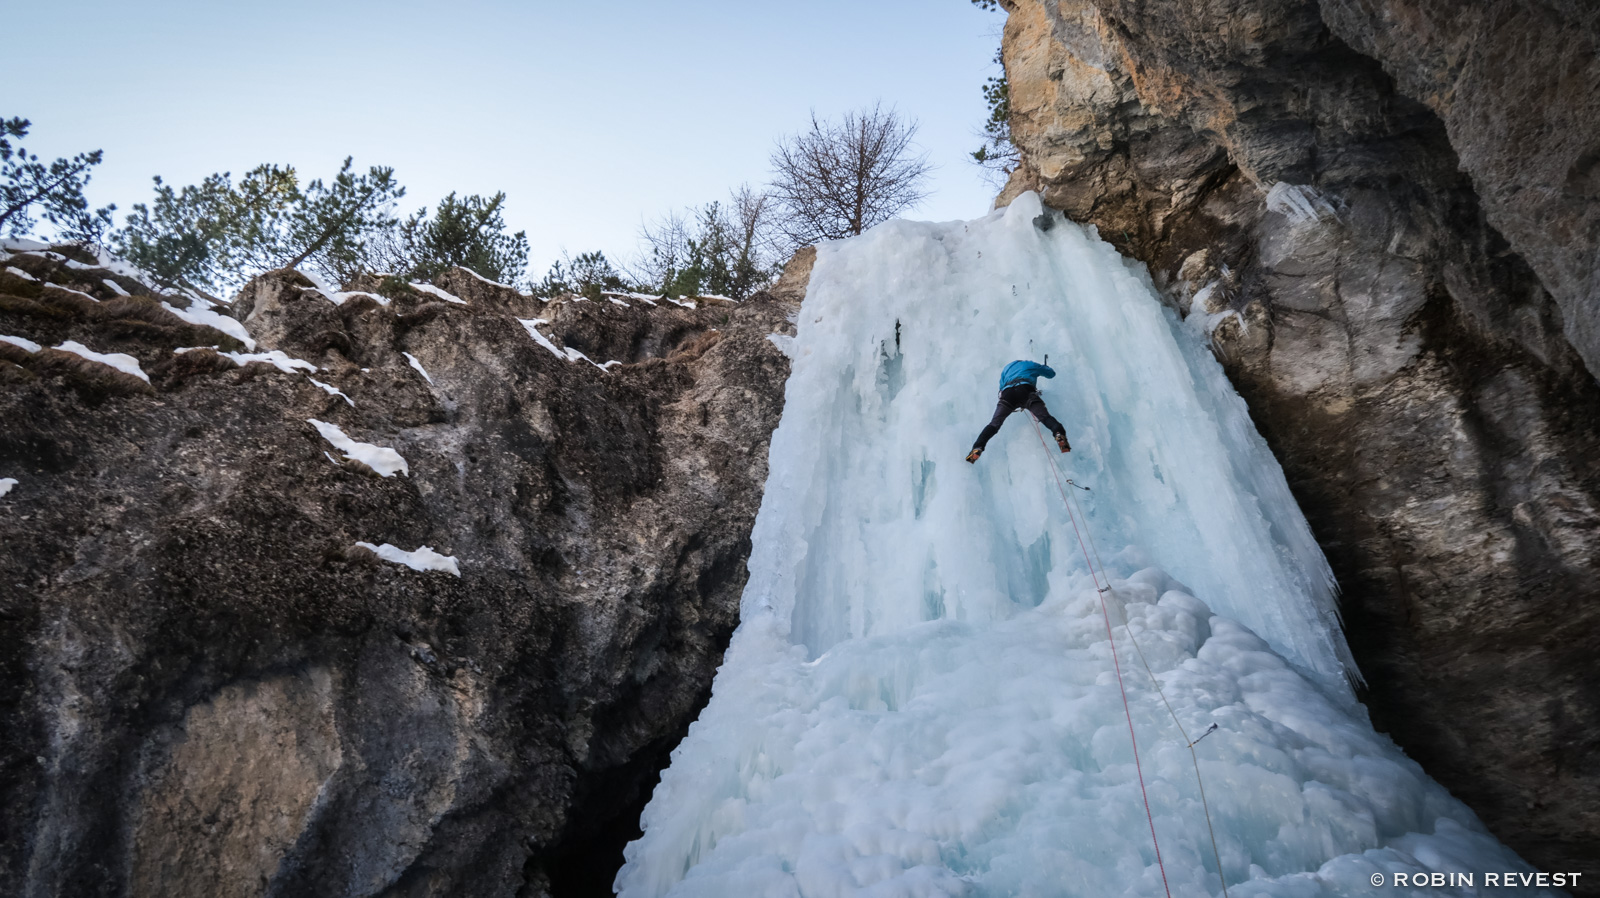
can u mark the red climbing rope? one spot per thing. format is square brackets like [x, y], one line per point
[1106, 615]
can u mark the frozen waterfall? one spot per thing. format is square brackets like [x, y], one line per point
[920, 697]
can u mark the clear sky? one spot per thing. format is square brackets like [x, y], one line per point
[590, 116]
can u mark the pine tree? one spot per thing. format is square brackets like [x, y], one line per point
[215, 235]
[56, 189]
[587, 275]
[469, 232]
[328, 226]
[716, 249]
[997, 154]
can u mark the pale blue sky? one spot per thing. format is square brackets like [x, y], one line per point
[590, 116]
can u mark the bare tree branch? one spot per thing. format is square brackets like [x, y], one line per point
[837, 179]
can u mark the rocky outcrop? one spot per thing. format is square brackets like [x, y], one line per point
[1381, 211]
[211, 689]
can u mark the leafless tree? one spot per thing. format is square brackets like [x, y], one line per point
[839, 178]
[729, 249]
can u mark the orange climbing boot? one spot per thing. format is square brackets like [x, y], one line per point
[1061, 440]
[973, 455]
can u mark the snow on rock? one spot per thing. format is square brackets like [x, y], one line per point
[569, 354]
[435, 291]
[645, 298]
[23, 342]
[12, 245]
[382, 460]
[489, 282]
[686, 303]
[6, 483]
[70, 290]
[541, 339]
[619, 302]
[418, 365]
[207, 318]
[574, 355]
[115, 287]
[121, 361]
[20, 273]
[274, 357]
[339, 298]
[332, 390]
[423, 559]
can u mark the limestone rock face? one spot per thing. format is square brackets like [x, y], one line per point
[208, 689]
[1380, 211]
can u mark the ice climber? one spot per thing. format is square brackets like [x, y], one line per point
[1017, 390]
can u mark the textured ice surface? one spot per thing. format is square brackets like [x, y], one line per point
[920, 698]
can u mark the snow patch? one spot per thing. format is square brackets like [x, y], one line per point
[15, 245]
[70, 290]
[435, 291]
[418, 365]
[616, 301]
[207, 318]
[121, 361]
[423, 559]
[541, 339]
[115, 287]
[6, 483]
[274, 357]
[340, 298]
[21, 274]
[24, 342]
[382, 460]
[489, 282]
[332, 390]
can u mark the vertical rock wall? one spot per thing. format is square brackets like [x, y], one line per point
[209, 690]
[1381, 213]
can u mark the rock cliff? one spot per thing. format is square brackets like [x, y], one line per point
[1384, 213]
[211, 689]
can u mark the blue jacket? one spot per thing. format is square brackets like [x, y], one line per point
[1024, 372]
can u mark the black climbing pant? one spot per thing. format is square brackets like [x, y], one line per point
[1011, 399]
